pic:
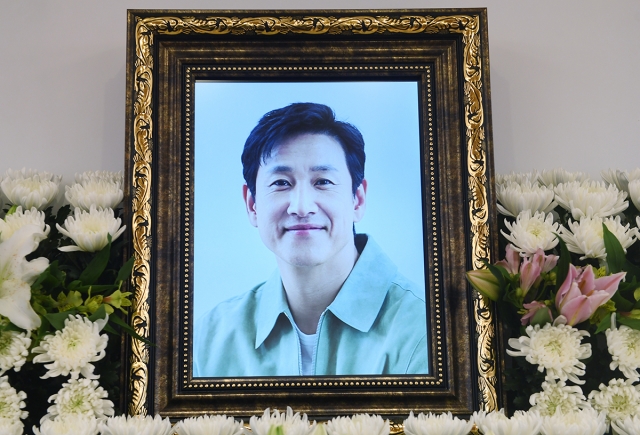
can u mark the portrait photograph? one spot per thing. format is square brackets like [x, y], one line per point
[245, 316]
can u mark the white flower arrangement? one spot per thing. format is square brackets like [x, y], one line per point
[81, 397]
[517, 177]
[19, 218]
[14, 350]
[17, 274]
[433, 424]
[630, 425]
[584, 422]
[557, 349]
[101, 189]
[496, 422]
[89, 229]
[76, 424]
[11, 427]
[136, 425]
[30, 188]
[11, 402]
[585, 237]
[72, 350]
[620, 179]
[590, 199]
[514, 198]
[553, 177]
[290, 423]
[209, 425]
[624, 346]
[359, 424]
[618, 400]
[530, 233]
[557, 396]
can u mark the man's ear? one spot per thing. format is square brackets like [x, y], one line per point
[250, 204]
[360, 201]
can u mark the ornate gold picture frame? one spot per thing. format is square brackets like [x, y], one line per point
[445, 52]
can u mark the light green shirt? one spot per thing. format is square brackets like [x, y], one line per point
[375, 325]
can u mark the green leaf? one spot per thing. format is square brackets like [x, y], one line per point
[95, 268]
[622, 304]
[57, 319]
[125, 271]
[631, 323]
[615, 254]
[129, 330]
[100, 313]
[604, 324]
[563, 263]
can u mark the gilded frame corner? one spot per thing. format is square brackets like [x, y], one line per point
[163, 44]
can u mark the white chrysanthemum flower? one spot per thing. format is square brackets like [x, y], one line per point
[557, 396]
[627, 426]
[618, 400]
[530, 233]
[67, 425]
[496, 423]
[585, 422]
[14, 349]
[634, 193]
[72, 349]
[103, 190]
[14, 221]
[359, 424]
[136, 425]
[553, 177]
[11, 402]
[81, 397]
[620, 179]
[11, 427]
[586, 236]
[89, 229]
[108, 176]
[518, 178]
[17, 274]
[209, 425]
[590, 199]
[514, 198]
[624, 346]
[30, 188]
[433, 424]
[291, 424]
[557, 349]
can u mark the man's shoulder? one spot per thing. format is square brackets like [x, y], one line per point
[237, 307]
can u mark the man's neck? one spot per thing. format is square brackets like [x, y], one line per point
[310, 290]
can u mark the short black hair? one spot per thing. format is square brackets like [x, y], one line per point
[293, 120]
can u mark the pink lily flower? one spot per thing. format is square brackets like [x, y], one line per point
[582, 293]
[530, 269]
[547, 262]
[511, 260]
[537, 313]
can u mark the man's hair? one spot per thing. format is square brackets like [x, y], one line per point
[296, 119]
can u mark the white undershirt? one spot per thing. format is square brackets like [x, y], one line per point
[307, 351]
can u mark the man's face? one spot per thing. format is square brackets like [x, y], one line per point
[304, 207]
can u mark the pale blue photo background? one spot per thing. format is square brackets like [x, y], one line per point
[229, 256]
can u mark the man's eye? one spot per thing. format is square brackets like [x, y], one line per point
[281, 183]
[324, 182]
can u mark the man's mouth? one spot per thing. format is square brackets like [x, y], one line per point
[304, 227]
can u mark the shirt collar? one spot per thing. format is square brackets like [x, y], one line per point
[361, 297]
[271, 302]
[357, 304]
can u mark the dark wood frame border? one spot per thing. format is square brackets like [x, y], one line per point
[447, 52]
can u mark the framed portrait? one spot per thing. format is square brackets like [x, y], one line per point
[306, 191]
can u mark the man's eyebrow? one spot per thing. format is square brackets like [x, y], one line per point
[283, 169]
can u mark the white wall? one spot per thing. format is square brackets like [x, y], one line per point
[564, 79]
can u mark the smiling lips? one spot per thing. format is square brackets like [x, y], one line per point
[303, 228]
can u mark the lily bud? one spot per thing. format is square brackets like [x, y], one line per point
[485, 282]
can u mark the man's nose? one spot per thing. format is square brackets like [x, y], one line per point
[302, 201]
